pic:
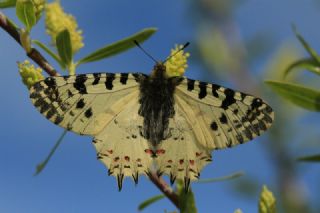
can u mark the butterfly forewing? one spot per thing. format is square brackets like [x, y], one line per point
[82, 103]
[222, 117]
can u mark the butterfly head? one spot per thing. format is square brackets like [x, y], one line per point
[159, 70]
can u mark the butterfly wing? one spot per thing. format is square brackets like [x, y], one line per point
[222, 117]
[121, 147]
[84, 103]
[180, 155]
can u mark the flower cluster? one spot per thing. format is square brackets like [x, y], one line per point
[57, 20]
[29, 74]
[39, 6]
[267, 202]
[176, 65]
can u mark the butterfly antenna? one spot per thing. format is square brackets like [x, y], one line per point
[143, 50]
[182, 48]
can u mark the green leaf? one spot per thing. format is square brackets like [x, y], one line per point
[186, 199]
[224, 178]
[25, 11]
[305, 44]
[49, 52]
[311, 158]
[306, 63]
[8, 3]
[302, 96]
[64, 47]
[118, 47]
[43, 164]
[150, 201]
[187, 202]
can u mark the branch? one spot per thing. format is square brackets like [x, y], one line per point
[164, 188]
[34, 54]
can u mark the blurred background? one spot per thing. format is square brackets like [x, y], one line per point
[238, 44]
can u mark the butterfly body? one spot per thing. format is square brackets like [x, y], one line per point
[141, 123]
[157, 104]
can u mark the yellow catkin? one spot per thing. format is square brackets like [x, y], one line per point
[177, 64]
[39, 6]
[238, 211]
[57, 20]
[29, 74]
[267, 203]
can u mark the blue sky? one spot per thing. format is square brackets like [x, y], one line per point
[74, 180]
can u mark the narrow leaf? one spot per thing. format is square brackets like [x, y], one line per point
[305, 44]
[64, 47]
[49, 52]
[311, 158]
[306, 63]
[43, 164]
[224, 178]
[150, 201]
[8, 3]
[25, 11]
[304, 97]
[119, 46]
[186, 199]
[187, 202]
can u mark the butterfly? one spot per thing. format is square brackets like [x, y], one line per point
[142, 123]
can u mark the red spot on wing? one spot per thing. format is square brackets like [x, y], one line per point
[181, 161]
[198, 154]
[191, 162]
[160, 151]
[169, 161]
[149, 152]
[127, 158]
[110, 151]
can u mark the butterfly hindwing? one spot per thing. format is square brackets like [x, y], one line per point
[180, 155]
[121, 147]
[222, 117]
[82, 103]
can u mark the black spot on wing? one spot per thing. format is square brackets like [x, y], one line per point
[223, 119]
[124, 78]
[215, 89]
[97, 77]
[50, 82]
[214, 126]
[256, 103]
[58, 119]
[79, 83]
[35, 95]
[44, 107]
[190, 84]
[203, 89]
[88, 113]
[240, 138]
[229, 98]
[80, 104]
[109, 80]
[51, 113]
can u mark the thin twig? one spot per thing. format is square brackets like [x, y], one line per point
[165, 188]
[34, 54]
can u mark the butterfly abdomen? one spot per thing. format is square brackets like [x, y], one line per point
[156, 107]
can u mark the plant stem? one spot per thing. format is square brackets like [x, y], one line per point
[165, 188]
[34, 54]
